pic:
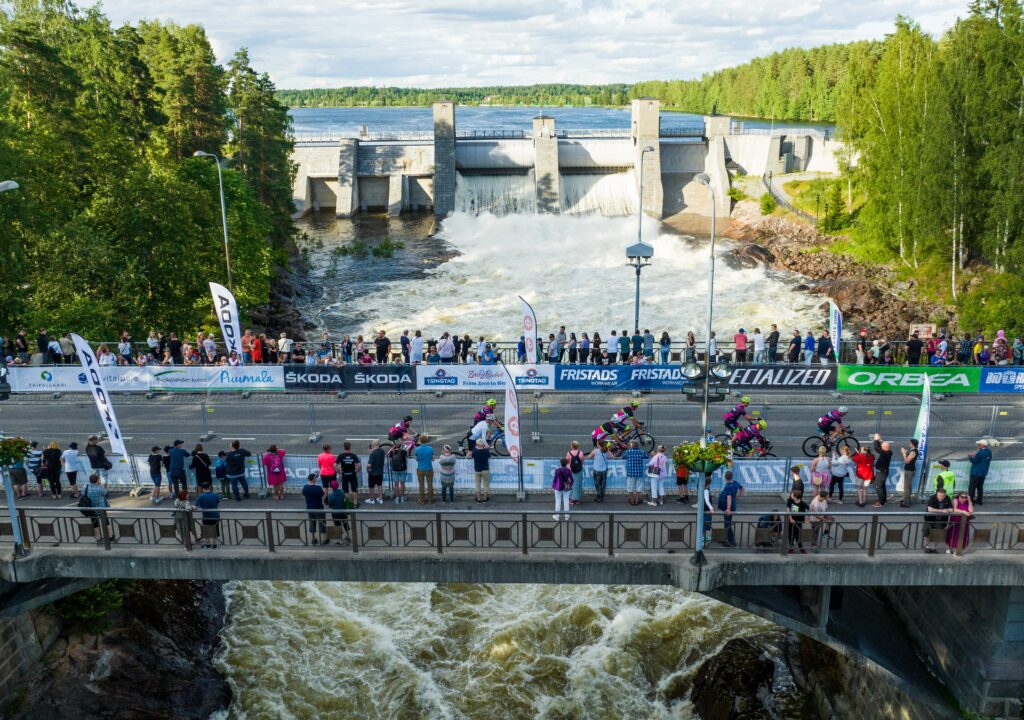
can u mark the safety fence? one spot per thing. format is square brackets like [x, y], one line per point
[767, 476]
[517, 533]
[542, 377]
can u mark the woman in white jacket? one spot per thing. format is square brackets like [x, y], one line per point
[842, 468]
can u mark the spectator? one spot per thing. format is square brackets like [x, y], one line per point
[826, 352]
[35, 466]
[236, 459]
[446, 464]
[156, 467]
[691, 347]
[96, 495]
[183, 517]
[613, 346]
[1018, 351]
[553, 349]
[842, 468]
[179, 460]
[51, 468]
[864, 462]
[938, 507]
[636, 462]
[69, 458]
[821, 471]
[624, 346]
[773, 343]
[795, 521]
[883, 451]
[584, 349]
[247, 340]
[314, 495]
[740, 343]
[273, 462]
[599, 467]
[980, 462]
[914, 347]
[482, 470]
[648, 338]
[575, 459]
[728, 500]
[561, 483]
[67, 349]
[425, 470]
[709, 509]
[326, 463]
[958, 532]
[416, 348]
[399, 471]
[759, 347]
[446, 349]
[820, 521]
[383, 347]
[375, 472]
[657, 471]
[19, 477]
[909, 470]
[220, 471]
[794, 348]
[796, 481]
[665, 347]
[350, 466]
[97, 455]
[200, 464]
[208, 501]
[808, 348]
[336, 501]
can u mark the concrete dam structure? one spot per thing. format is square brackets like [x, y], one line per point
[547, 169]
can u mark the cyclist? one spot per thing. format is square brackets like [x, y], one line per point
[742, 441]
[604, 432]
[731, 419]
[625, 418]
[487, 409]
[479, 431]
[755, 429]
[402, 431]
[827, 422]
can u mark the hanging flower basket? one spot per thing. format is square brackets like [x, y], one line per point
[12, 450]
[697, 459]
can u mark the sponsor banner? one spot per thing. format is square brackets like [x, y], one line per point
[350, 377]
[888, 378]
[484, 377]
[513, 436]
[226, 308]
[216, 377]
[72, 378]
[924, 416]
[627, 378]
[835, 324]
[820, 377]
[529, 330]
[94, 381]
[1006, 379]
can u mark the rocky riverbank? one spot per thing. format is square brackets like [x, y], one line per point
[290, 289]
[155, 661]
[870, 296]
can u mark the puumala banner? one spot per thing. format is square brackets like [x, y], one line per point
[71, 378]
[350, 377]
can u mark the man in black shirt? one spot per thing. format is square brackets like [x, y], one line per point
[235, 460]
[174, 347]
[383, 346]
[883, 458]
[773, 343]
[796, 505]
[914, 346]
[375, 473]
[350, 466]
[21, 346]
[795, 343]
[939, 508]
[909, 470]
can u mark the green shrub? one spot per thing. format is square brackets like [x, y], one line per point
[736, 193]
[87, 610]
[767, 204]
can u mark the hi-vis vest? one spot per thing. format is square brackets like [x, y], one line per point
[947, 480]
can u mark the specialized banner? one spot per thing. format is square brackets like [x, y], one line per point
[835, 324]
[484, 377]
[921, 431]
[529, 331]
[893, 378]
[351, 377]
[227, 313]
[95, 383]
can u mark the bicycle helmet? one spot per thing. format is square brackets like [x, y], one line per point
[745, 399]
[407, 419]
[842, 409]
[491, 403]
[762, 423]
[489, 416]
[635, 403]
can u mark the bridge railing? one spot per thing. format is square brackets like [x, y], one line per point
[519, 533]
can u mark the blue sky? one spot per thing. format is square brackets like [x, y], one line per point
[483, 42]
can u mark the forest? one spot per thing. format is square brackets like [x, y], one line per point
[115, 226]
[539, 95]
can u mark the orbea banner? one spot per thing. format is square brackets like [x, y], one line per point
[484, 377]
[94, 381]
[893, 378]
[227, 313]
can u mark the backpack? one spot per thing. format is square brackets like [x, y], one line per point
[398, 460]
[575, 462]
[84, 501]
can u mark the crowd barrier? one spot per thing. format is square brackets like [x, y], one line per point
[571, 378]
[768, 476]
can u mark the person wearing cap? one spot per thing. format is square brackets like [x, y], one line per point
[980, 462]
[862, 346]
[97, 455]
[909, 469]
[945, 479]
[179, 460]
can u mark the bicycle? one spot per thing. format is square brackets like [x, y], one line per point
[496, 445]
[845, 439]
[647, 442]
[759, 450]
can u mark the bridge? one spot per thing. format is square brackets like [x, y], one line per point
[547, 169]
[965, 609]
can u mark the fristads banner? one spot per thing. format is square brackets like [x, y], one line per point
[350, 377]
[627, 378]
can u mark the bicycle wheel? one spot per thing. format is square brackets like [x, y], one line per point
[646, 442]
[768, 454]
[811, 446]
[498, 447]
[848, 442]
[723, 438]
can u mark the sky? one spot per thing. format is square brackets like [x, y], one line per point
[431, 43]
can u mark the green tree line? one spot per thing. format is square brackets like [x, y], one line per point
[115, 224]
[541, 95]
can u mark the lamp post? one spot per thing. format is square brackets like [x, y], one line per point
[5, 476]
[223, 213]
[641, 253]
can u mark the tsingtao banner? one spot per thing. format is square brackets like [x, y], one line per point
[94, 380]
[227, 313]
[484, 377]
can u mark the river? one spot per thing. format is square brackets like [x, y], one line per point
[323, 650]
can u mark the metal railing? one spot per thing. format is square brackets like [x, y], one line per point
[781, 199]
[532, 532]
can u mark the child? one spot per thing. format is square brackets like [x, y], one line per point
[447, 464]
[220, 471]
[182, 508]
[156, 466]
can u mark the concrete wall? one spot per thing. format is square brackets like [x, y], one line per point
[348, 183]
[23, 640]
[421, 193]
[494, 154]
[823, 156]
[545, 148]
[714, 166]
[596, 153]
[385, 159]
[645, 131]
[682, 157]
[373, 193]
[444, 158]
[315, 161]
[748, 152]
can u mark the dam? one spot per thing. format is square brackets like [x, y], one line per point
[547, 169]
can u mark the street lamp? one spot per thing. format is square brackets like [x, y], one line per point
[640, 254]
[223, 213]
[19, 542]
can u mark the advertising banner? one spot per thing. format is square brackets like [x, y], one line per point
[226, 308]
[72, 378]
[94, 381]
[1002, 380]
[529, 330]
[350, 377]
[484, 377]
[625, 378]
[835, 324]
[513, 436]
[890, 378]
[924, 416]
[216, 377]
[821, 377]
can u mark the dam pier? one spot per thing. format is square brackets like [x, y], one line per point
[549, 170]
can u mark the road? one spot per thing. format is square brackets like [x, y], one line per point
[289, 421]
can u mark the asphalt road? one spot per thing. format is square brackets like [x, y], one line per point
[290, 420]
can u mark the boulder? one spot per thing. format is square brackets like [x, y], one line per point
[735, 684]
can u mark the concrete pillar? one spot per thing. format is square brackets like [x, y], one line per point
[545, 164]
[715, 125]
[645, 130]
[714, 166]
[444, 158]
[348, 180]
[396, 194]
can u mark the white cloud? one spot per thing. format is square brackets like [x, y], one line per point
[476, 42]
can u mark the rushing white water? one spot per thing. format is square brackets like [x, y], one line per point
[315, 650]
[573, 270]
[497, 194]
[610, 195]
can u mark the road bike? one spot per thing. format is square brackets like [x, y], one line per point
[496, 445]
[844, 439]
[647, 442]
[760, 449]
